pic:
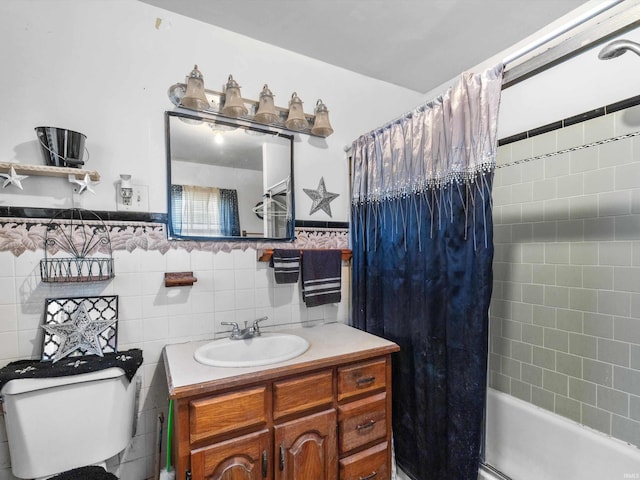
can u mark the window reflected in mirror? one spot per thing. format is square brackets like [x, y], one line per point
[228, 180]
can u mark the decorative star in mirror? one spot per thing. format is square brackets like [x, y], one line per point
[321, 198]
[85, 183]
[12, 178]
[80, 332]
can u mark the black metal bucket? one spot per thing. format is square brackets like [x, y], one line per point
[61, 147]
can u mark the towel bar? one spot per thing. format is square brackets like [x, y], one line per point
[265, 255]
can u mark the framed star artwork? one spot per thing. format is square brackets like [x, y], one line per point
[79, 326]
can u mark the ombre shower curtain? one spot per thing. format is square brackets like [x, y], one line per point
[422, 252]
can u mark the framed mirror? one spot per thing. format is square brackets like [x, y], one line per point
[228, 180]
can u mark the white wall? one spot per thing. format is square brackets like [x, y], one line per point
[104, 67]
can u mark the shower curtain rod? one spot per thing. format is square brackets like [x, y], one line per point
[619, 21]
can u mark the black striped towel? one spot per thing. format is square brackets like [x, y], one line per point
[286, 265]
[321, 272]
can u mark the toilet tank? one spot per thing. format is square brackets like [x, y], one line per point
[56, 424]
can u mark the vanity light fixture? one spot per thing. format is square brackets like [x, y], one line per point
[321, 125]
[233, 104]
[266, 109]
[195, 97]
[296, 119]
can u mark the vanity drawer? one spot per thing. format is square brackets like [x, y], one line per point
[362, 422]
[226, 413]
[370, 464]
[302, 393]
[361, 378]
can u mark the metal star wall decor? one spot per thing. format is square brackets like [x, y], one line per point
[12, 178]
[321, 198]
[79, 333]
[85, 184]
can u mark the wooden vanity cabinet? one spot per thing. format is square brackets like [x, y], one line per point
[325, 423]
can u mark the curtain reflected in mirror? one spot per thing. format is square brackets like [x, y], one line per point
[228, 179]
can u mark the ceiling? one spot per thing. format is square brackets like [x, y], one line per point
[416, 44]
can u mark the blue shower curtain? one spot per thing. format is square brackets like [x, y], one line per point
[422, 252]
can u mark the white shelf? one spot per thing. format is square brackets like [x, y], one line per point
[48, 171]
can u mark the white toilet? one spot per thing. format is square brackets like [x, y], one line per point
[57, 424]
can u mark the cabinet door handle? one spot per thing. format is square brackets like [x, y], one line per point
[368, 477]
[265, 465]
[281, 463]
[364, 381]
[368, 424]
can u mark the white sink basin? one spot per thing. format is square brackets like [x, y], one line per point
[263, 350]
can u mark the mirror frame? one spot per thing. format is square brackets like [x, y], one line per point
[240, 123]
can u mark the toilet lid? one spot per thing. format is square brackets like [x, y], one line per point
[86, 473]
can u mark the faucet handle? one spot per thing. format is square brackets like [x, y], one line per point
[256, 327]
[236, 329]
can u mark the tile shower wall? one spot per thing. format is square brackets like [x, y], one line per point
[231, 287]
[565, 313]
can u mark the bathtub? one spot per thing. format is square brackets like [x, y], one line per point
[528, 443]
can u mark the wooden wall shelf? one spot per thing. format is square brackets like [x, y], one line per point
[48, 171]
[266, 254]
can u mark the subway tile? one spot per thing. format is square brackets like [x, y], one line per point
[545, 142]
[542, 398]
[597, 372]
[568, 408]
[223, 280]
[557, 166]
[556, 339]
[585, 253]
[501, 346]
[613, 154]
[635, 200]
[583, 345]
[522, 352]
[544, 358]
[583, 299]
[555, 382]
[533, 334]
[512, 291]
[635, 254]
[571, 185]
[635, 357]
[502, 234]
[596, 418]
[244, 279]
[635, 305]
[627, 329]
[521, 390]
[510, 367]
[522, 312]
[545, 232]
[634, 407]
[569, 364]
[583, 391]
[494, 362]
[614, 303]
[627, 227]
[598, 325]
[503, 156]
[522, 233]
[500, 382]
[556, 209]
[584, 160]
[556, 296]
[522, 150]
[558, 253]
[597, 277]
[569, 320]
[501, 195]
[544, 316]
[533, 170]
[512, 214]
[569, 276]
[522, 192]
[626, 176]
[627, 380]
[544, 275]
[544, 189]
[521, 273]
[611, 351]
[584, 206]
[599, 181]
[532, 374]
[571, 136]
[571, 230]
[615, 253]
[511, 175]
[534, 212]
[613, 401]
[626, 279]
[614, 203]
[599, 128]
[534, 253]
[511, 330]
[222, 261]
[625, 429]
[599, 229]
[626, 116]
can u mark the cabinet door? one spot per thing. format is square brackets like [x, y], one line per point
[306, 449]
[244, 458]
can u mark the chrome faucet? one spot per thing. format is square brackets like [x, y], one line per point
[247, 332]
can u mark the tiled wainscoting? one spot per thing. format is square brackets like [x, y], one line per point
[565, 313]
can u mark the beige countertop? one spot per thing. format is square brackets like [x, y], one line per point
[330, 344]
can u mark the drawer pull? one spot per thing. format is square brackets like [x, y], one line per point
[265, 465]
[366, 425]
[368, 477]
[363, 382]
[281, 465]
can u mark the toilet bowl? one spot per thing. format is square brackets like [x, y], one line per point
[58, 424]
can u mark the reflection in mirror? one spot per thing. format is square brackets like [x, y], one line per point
[228, 179]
